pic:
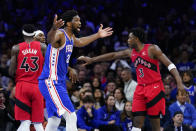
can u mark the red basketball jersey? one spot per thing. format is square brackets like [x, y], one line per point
[29, 62]
[147, 69]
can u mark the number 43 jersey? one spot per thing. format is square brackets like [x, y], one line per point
[57, 60]
[29, 62]
[147, 69]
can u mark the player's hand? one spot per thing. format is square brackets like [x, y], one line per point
[73, 76]
[86, 59]
[104, 32]
[57, 23]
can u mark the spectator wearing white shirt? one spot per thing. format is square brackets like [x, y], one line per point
[119, 99]
[129, 84]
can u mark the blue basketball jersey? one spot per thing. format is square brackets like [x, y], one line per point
[191, 91]
[57, 60]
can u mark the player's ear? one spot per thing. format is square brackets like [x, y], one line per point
[68, 24]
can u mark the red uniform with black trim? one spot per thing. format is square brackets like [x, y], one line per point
[149, 94]
[29, 101]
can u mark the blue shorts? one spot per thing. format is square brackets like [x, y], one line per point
[56, 97]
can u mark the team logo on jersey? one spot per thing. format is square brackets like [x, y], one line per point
[141, 61]
[69, 48]
[144, 53]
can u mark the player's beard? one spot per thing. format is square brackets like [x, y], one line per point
[133, 45]
[75, 31]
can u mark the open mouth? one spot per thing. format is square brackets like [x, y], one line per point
[78, 28]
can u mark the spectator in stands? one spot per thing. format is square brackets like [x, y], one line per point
[99, 98]
[126, 118]
[187, 79]
[187, 109]
[96, 83]
[7, 121]
[82, 77]
[177, 124]
[185, 63]
[4, 71]
[108, 115]
[119, 99]
[87, 115]
[110, 87]
[129, 84]
[98, 73]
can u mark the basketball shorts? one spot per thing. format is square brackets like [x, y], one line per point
[149, 99]
[29, 102]
[56, 97]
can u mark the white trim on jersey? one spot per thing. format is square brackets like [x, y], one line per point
[61, 109]
[54, 53]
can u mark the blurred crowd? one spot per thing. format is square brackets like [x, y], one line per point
[105, 90]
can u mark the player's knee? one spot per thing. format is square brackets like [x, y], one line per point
[71, 121]
[70, 117]
[53, 124]
[73, 117]
[38, 126]
[138, 123]
[24, 125]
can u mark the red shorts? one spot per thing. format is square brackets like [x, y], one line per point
[29, 102]
[149, 99]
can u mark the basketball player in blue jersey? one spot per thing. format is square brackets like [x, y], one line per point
[52, 80]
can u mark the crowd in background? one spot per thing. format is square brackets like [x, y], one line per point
[106, 89]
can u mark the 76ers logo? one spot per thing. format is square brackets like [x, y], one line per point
[69, 48]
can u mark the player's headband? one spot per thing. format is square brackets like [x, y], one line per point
[27, 34]
[38, 32]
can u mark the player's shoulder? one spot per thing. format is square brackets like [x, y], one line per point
[153, 47]
[15, 47]
[60, 32]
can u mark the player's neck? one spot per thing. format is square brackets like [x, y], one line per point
[69, 32]
[28, 40]
[139, 47]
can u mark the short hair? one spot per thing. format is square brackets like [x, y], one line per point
[29, 28]
[88, 99]
[68, 15]
[177, 112]
[139, 33]
[182, 92]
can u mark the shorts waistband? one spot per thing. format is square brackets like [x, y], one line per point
[55, 81]
[149, 83]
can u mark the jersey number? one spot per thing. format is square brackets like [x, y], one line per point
[68, 57]
[141, 72]
[26, 66]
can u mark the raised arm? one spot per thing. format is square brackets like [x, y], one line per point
[83, 41]
[53, 35]
[13, 63]
[106, 57]
[156, 53]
